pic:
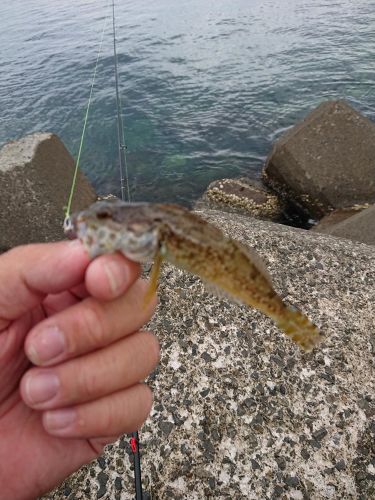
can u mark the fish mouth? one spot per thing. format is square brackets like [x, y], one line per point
[75, 227]
[68, 227]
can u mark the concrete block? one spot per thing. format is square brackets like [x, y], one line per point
[325, 162]
[242, 196]
[333, 218]
[239, 411]
[358, 227]
[36, 173]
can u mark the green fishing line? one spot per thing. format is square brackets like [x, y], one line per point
[69, 205]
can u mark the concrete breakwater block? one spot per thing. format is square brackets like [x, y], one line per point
[36, 174]
[243, 196]
[239, 411]
[325, 162]
[358, 227]
[333, 218]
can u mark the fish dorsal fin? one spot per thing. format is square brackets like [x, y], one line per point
[256, 259]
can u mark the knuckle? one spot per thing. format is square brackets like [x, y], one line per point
[125, 411]
[93, 322]
[153, 347]
[87, 385]
[110, 415]
[148, 398]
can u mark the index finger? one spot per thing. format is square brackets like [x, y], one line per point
[28, 273]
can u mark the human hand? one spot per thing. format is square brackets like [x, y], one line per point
[78, 322]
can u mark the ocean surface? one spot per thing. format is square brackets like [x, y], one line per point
[206, 85]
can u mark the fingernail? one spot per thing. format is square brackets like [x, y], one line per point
[46, 345]
[59, 419]
[117, 275]
[41, 387]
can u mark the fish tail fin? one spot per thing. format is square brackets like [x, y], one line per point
[299, 328]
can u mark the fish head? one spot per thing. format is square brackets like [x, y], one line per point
[110, 226]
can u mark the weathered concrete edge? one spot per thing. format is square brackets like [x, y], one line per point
[282, 229]
[20, 152]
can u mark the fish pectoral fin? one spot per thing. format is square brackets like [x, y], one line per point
[154, 280]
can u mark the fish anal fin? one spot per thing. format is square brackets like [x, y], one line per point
[220, 293]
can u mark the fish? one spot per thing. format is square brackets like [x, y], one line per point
[145, 232]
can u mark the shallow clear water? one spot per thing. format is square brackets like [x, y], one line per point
[206, 86]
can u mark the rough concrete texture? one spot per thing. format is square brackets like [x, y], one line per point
[242, 196]
[325, 162]
[333, 218]
[240, 412]
[36, 174]
[359, 227]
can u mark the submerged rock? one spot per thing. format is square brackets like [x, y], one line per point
[243, 196]
[239, 411]
[325, 162]
[36, 174]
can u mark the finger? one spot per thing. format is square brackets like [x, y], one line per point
[33, 271]
[99, 443]
[88, 326]
[116, 367]
[80, 291]
[109, 276]
[58, 302]
[121, 412]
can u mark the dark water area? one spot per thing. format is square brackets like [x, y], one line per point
[206, 86]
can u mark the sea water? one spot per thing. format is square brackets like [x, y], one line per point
[206, 85]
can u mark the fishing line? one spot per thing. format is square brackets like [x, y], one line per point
[69, 205]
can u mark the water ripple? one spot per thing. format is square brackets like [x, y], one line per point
[206, 86]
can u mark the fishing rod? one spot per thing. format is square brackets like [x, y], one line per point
[134, 444]
[134, 441]
[120, 126]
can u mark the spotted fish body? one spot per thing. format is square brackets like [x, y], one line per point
[144, 232]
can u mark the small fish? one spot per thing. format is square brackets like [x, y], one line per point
[145, 231]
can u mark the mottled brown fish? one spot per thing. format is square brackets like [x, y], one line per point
[146, 231]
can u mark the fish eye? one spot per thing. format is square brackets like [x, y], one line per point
[103, 215]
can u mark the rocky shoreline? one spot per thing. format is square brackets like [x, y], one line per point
[319, 173]
[239, 412]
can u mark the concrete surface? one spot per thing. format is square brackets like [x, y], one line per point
[36, 174]
[333, 218]
[358, 227]
[240, 412]
[327, 161]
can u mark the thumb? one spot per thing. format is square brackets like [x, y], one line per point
[28, 273]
